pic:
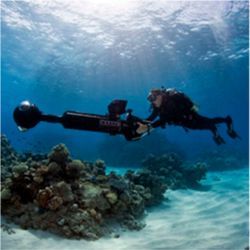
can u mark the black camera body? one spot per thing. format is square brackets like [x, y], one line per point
[27, 116]
[117, 108]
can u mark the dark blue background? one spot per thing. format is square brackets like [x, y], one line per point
[60, 66]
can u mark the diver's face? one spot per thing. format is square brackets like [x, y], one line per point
[157, 102]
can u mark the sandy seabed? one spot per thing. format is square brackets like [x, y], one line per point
[214, 218]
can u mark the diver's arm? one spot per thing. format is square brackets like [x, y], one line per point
[149, 125]
[157, 123]
[153, 115]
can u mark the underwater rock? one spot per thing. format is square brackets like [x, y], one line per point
[63, 190]
[116, 235]
[6, 228]
[169, 169]
[100, 164]
[98, 168]
[92, 197]
[30, 157]
[102, 178]
[59, 154]
[195, 174]
[224, 159]
[119, 185]
[11, 159]
[40, 173]
[74, 168]
[44, 196]
[117, 182]
[130, 223]
[54, 168]
[20, 169]
[55, 202]
[154, 186]
[137, 204]
[111, 197]
[42, 170]
[5, 194]
[77, 199]
[9, 156]
[38, 179]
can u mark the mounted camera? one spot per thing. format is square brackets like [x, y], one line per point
[117, 108]
[27, 115]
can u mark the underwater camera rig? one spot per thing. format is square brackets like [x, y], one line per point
[27, 116]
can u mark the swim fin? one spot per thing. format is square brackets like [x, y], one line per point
[218, 140]
[232, 133]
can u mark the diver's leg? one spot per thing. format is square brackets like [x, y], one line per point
[231, 132]
[218, 120]
[217, 138]
[229, 122]
[202, 122]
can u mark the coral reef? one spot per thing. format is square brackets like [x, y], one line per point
[59, 154]
[71, 198]
[224, 159]
[9, 157]
[78, 199]
[173, 172]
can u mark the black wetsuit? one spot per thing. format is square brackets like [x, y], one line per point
[176, 109]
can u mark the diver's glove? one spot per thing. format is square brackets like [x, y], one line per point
[144, 128]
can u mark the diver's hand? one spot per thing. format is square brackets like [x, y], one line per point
[143, 128]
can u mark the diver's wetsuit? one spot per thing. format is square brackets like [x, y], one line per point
[176, 109]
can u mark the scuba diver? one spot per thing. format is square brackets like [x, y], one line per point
[175, 108]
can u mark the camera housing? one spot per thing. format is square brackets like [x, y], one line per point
[117, 108]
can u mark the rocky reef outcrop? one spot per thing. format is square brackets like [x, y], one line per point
[78, 199]
[224, 159]
[72, 198]
[174, 172]
[9, 157]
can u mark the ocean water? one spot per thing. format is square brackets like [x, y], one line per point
[80, 55]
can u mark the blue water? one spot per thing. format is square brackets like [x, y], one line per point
[80, 55]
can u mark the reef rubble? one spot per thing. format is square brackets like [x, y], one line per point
[78, 199]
